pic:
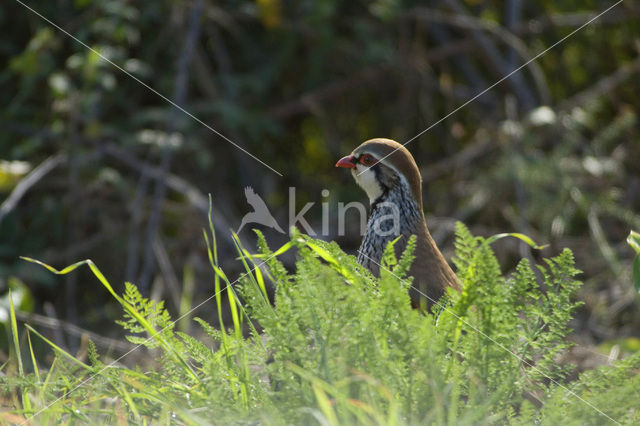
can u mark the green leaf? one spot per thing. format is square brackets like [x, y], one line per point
[14, 334]
[519, 236]
[131, 310]
[634, 241]
[278, 252]
[59, 351]
[329, 258]
[33, 357]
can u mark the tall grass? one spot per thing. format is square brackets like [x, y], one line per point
[338, 346]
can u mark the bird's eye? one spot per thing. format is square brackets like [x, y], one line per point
[367, 160]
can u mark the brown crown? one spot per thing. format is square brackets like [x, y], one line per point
[396, 156]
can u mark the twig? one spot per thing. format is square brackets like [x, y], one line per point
[29, 181]
[603, 86]
[195, 197]
[524, 94]
[461, 62]
[493, 55]
[306, 101]
[539, 25]
[512, 16]
[303, 103]
[463, 157]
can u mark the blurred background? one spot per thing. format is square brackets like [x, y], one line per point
[96, 163]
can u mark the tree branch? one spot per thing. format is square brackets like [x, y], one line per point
[182, 79]
[29, 182]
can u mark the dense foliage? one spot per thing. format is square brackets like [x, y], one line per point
[550, 152]
[340, 346]
[96, 163]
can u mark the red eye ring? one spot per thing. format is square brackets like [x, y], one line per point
[367, 160]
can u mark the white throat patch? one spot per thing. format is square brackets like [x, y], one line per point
[365, 177]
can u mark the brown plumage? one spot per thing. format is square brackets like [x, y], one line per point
[389, 175]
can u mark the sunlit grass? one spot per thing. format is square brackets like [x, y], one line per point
[338, 346]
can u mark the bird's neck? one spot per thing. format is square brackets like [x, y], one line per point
[397, 203]
[394, 213]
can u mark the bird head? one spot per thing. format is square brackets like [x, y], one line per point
[379, 165]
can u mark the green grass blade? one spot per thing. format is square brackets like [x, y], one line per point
[521, 237]
[634, 241]
[132, 406]
[330, 259]
[26, 402]
[325, 404]
[257, 279]
[14, 334]
[186, 298]
[254, 280]
[212, 250]
[153, 333]
[233, 307]
[47, 379]
[323, 390]
[285, 247]
[260, 281]
[54, 270]
[73, 267]
[216, 286]
[59, 350]
[33, 357]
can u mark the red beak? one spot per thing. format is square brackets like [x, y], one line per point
[348, 162]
